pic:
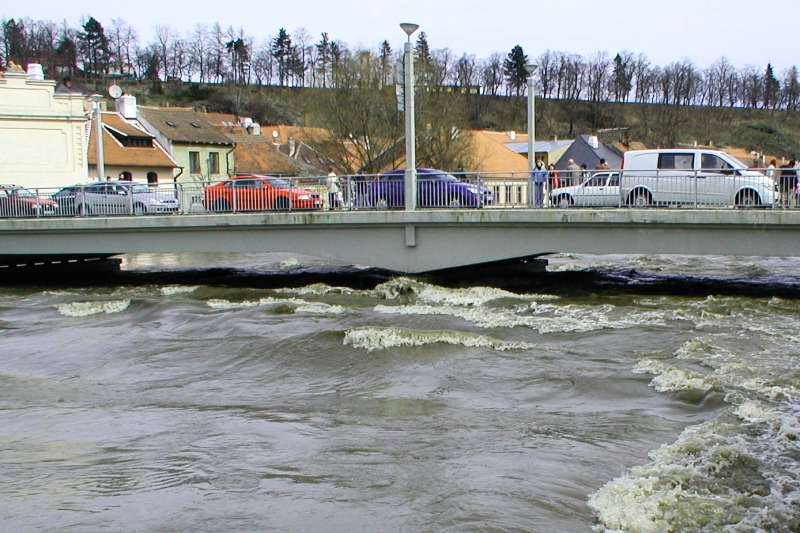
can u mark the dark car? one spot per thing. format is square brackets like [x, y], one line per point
[16, 201]
[65, 198]
[435, 188]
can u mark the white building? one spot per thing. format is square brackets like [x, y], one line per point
[42, 134]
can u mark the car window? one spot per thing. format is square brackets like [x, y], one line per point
[676, 161]
[714, 162]
[597, 181]
[613, 181]
[277, 183]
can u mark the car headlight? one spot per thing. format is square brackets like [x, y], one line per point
[304, 197]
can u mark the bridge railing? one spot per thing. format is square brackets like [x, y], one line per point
[714, 188]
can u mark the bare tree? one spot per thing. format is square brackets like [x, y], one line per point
[492, 74]
[122, 40]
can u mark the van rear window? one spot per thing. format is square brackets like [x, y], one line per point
[676, 161]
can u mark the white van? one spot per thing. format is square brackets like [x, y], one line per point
[692, 177]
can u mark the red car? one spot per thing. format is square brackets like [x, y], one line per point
[18, 201]
[258, 193]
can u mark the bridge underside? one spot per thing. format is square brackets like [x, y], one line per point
[415, 242]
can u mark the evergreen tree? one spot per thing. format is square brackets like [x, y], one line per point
[514, 70]
[14, 42]
[771, 87]
[386, 62]
[621, 80]
[93, 45]
[282, 52]
[323, 58]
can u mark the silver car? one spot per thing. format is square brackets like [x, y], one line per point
[599, 190]
[120, 197]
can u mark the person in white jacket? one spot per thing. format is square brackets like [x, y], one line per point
[333, 189]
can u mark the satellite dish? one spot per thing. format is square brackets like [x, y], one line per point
[114, 91]
[275, 133]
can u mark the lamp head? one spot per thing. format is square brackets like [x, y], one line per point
[409, 28]
[531, 67]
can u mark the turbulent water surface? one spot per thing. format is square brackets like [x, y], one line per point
[182, 405]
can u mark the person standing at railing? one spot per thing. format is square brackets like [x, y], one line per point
[602, 165]
[362, 191]
[538, 179]
[573, 174]
[333, 189]
[771, 169]
[554, 183]
[788, 183]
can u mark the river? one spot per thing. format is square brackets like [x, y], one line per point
[273, 392]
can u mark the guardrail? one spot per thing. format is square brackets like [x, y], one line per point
[506, 190]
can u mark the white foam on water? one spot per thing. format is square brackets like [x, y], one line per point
[672, 378]
[423, 292]
[375, 338]
[169, 290]
[711, 479]
[293, 305]
[289, 264]
[319, 289]
[78, 309]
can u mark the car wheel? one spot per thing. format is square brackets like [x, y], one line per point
[222, 205]
[281, 204]
[382, 203]
[139, 209]
[640, 198]
[455, 202]
[748, 199]
[83, 210]
[564, 201]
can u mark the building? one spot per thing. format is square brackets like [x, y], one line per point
[129, 152]
[588, 150]
[203, 154]
[42, 134]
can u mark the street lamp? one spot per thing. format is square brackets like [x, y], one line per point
[98, 136]
[411, 155]
[531, 68]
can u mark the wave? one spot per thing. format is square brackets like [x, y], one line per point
[78, 309]
[292, 305]
[375, 338]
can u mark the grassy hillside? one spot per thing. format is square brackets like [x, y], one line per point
[765, 131]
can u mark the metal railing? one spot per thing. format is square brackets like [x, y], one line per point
[481, 190]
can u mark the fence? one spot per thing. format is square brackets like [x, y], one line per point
[435, 190]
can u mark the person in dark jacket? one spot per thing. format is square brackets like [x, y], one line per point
[787, 183]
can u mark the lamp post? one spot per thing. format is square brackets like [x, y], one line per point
[531, 68]
[411, 155]
[98, 137]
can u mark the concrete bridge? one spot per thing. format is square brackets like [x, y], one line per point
[413, 241]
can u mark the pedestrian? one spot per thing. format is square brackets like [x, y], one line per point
[771, 169]
[554, 183]
[788, 183]
[538, 179]
[334, 192]
[584, 171]
[573, 173]
[602, 165]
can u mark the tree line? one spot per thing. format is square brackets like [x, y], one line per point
[211, 54]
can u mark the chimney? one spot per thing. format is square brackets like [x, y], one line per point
[35, 71]
[512, 135]
[593, 141]
[255, 129]
[126, 106]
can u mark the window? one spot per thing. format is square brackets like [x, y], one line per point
[676, 161]
[713, 162]
[194, 163]
[152, 178]
[213, 163]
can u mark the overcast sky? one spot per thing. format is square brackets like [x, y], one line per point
[745, 32]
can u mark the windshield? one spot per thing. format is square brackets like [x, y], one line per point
[140, 188]
[23, 193]
[278, 183]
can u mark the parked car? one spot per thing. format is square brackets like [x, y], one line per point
[435, 188]
[600, 190]
[122, 197]
[692, 176]
[65, 198]
[255, 192]
[16, 201]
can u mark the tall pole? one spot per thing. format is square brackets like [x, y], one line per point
[98, 137]
[411, 154]
[531, 68]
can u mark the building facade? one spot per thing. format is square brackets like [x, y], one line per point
[42, 134]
